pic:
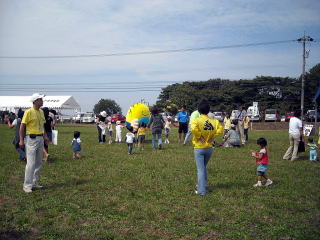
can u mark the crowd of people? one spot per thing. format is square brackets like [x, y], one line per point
[34, 133]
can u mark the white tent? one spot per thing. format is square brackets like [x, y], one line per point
[12, 103]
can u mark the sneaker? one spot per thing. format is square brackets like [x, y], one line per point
[258, 184]
[160, 146]
[27, 190]
[196, 192]
[269, 182]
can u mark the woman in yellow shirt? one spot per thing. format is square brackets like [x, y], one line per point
[246, 122]
[204, 130]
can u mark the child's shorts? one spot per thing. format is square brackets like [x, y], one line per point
[313, 155]
[262, 169]
[110, 133]
[167, 131]
[141, 138]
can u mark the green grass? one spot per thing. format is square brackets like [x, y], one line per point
[150, 195]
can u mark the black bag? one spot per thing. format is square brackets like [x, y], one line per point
[301, 147]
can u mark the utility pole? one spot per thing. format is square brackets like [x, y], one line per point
[304, 56]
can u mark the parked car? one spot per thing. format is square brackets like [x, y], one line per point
[288, 116]
[310, 116]
[84, 118]
[64, 118]
[218, 116]
[88, 118]
[118, 117]
[271, 115]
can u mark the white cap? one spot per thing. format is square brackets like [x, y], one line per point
[103, 114]
[36, 96]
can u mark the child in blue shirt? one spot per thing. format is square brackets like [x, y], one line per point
[76, 145]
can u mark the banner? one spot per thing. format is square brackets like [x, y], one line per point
[307, 129]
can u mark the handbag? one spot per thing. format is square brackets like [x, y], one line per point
[301, 146]
[55, 137]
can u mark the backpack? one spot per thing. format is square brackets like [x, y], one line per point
[157, 121]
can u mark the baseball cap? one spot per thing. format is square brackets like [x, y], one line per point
[36, 96]
[103, 114]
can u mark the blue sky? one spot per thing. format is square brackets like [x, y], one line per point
[54, 27]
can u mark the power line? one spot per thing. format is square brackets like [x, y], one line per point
[84, 88]
[93, 83]
[87, 91]
[147, 52]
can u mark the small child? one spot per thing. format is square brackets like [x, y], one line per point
[130, 140]
[167, 127]
[141, 135]
[263, 161]
[312, 149]
[226, 124]
[76, 144]
[109, 126]
[118, 131]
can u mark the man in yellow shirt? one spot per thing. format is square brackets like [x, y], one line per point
[204, 130]
[33, 122]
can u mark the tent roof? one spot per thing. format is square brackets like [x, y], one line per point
[52, 102]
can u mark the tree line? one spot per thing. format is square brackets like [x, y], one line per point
[282, 93]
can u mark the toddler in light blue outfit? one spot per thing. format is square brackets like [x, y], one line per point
[312, 149]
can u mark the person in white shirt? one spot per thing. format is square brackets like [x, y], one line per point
[295, 135]
[130, 140]
[240, 115]
[118, 131]
[167, 127]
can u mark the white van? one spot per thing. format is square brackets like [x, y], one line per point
[271, 115]
[88, 118]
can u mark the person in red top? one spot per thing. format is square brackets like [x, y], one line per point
[262, 161]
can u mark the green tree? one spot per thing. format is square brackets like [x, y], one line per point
[281, 93]
[312, 83]
[108, 105]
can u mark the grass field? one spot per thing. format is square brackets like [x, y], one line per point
[150, 194]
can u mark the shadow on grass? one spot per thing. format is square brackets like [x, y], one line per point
[11, 235]
[227, 185]
[72, 183]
